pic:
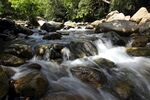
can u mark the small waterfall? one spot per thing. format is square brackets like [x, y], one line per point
[66, 54]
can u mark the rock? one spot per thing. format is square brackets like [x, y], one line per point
[34, 66]
[116, 39]
[140, 41]
[33, 85]
[145, 28]
[115, 15]
[105, 63]
[6, 24]
[57, 25]
[124, 90]
[10, 72]
[82, 48]
[97, 22]
[138, 51]
[55, 51]
[70, 24]
[89, 75]
[41, 49]
[122, 27]
[64, 96]
[141, 13]
[48, 27]
[4, 84]
[52, 36]
[20, 50]
[145, 19]
[24, 30]
[10, 60]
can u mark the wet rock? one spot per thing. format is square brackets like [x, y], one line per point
[24, 30]
[10, 72]
[33, 85]
[140, 41]
[57, 25]
[138, 51]
[82, 48]
[20, 50]
[52, 36]
[4, 83]
[55, 51]
[124, 90]
[105, 63]
[10, 60]
[41, 49]
[122, 27]
[115, 38]
[145, 28]
[34, 66]
[64, 96]
[48, 27]
[89, 75]
[141, 13]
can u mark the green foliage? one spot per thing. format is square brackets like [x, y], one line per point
[125, 6]
[85, 10]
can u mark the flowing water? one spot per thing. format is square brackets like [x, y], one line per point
[135, 70]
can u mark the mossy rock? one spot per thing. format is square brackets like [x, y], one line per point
[11, 60]
[138, 51]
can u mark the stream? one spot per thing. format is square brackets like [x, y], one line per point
[128, 80]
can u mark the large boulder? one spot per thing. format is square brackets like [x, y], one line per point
[97, 22]
[140, 14]
[58, 25]
[10, 60]
[32, 85]
[4, 84]
[82, 48]
[20, 50]
[138, 51]
[22, 29]
[52, 36]
[115, 15]
[122, 27]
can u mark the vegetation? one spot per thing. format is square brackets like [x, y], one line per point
[85, 10]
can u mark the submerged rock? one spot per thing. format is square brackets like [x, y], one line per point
[10, 60]
[64, 96]
[4, 84]
[138, 51]
[52, 36]
[122, 27]
[20, 50]
[33, 85]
